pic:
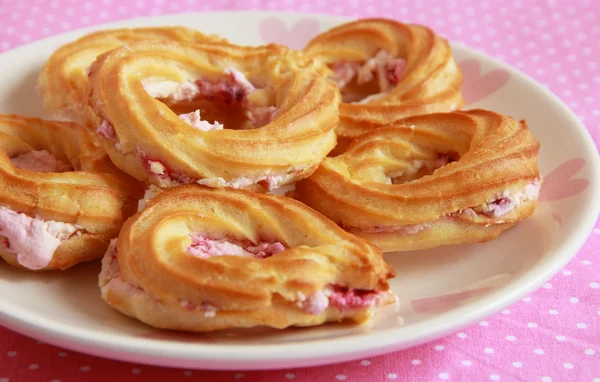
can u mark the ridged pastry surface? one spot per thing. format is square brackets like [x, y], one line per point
[151, 142]
[431, 180]
[428, 80]
[177, 264]
[63, 78]
[88, 199]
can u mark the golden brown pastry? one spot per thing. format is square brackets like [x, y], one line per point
[63, 78]
[61, 199]
[202, 259]
[257, 117]
[386, 70]
[430, 180]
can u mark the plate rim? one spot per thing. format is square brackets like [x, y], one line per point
[318, 351]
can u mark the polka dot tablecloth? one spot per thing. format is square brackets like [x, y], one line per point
[552, 335]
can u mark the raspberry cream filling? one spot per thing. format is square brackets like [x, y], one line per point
[502, 204]
[387, 69]
[40, 161]
[204, 246]
[269, 181]
[33, 240]
[193, 119]
[335, 296]
[341, 298]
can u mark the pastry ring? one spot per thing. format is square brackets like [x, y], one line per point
[431, 180]
[267, 120]
[202, 259]
[386, 71]
[63, 78]
[61, 199]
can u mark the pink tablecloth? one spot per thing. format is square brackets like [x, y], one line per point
[552, 335]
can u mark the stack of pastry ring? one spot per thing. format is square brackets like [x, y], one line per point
[386, 70]
[430, 180]
[286, 264]
[63, 77]
[61, 199]
[261, 117]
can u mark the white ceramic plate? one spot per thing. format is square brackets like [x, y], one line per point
[440, 290]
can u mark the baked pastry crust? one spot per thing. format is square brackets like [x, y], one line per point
[151, 273]
[63, 78]
[429, 81]
[91, 201]
[149, 141]
[393, 186]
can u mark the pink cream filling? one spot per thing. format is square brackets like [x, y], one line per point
[502, 205]
[40, 161]
[204, 246]
[33, 240]
[193, 119]
[388, 70]
[342, 298]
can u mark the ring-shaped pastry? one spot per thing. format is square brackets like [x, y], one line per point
[63, 78]
[386, 71]
[61, 199]
[202, 259]
[286, 114]
[431, 180]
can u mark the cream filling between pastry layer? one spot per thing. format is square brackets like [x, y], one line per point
[204, 246]
[504, 203]
[40, 161]
[388, 69]
[342, 298]
[33, 240]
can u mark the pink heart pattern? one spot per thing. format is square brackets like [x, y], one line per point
[476, 86]
[559, 183]
[274, 30]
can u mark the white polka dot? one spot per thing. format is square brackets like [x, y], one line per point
[416, 361]
[594, 285]
[84, 368]
[581, 325]
[505, 311]
[546, 379]
[443, 375]
[341, 377]
[532, 325]
[483, 323]
[439, 347]
[561, 338]
[538, 351]
[573, 300]
[365, 362]
[568, 365]
[517, 364]
[188, 373]
[238, 375]
[4, 380]
[586, 262]
[567, 273]
[547, 286]
[290, 376]
[527, 299]
[511, 338]
[488, 350]
[466, 362]
[495, 377]
[11, 353]
[461, 335]
[391, 376]
[553, 312]
[62, 354]
[136, 371]
[34, 366]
